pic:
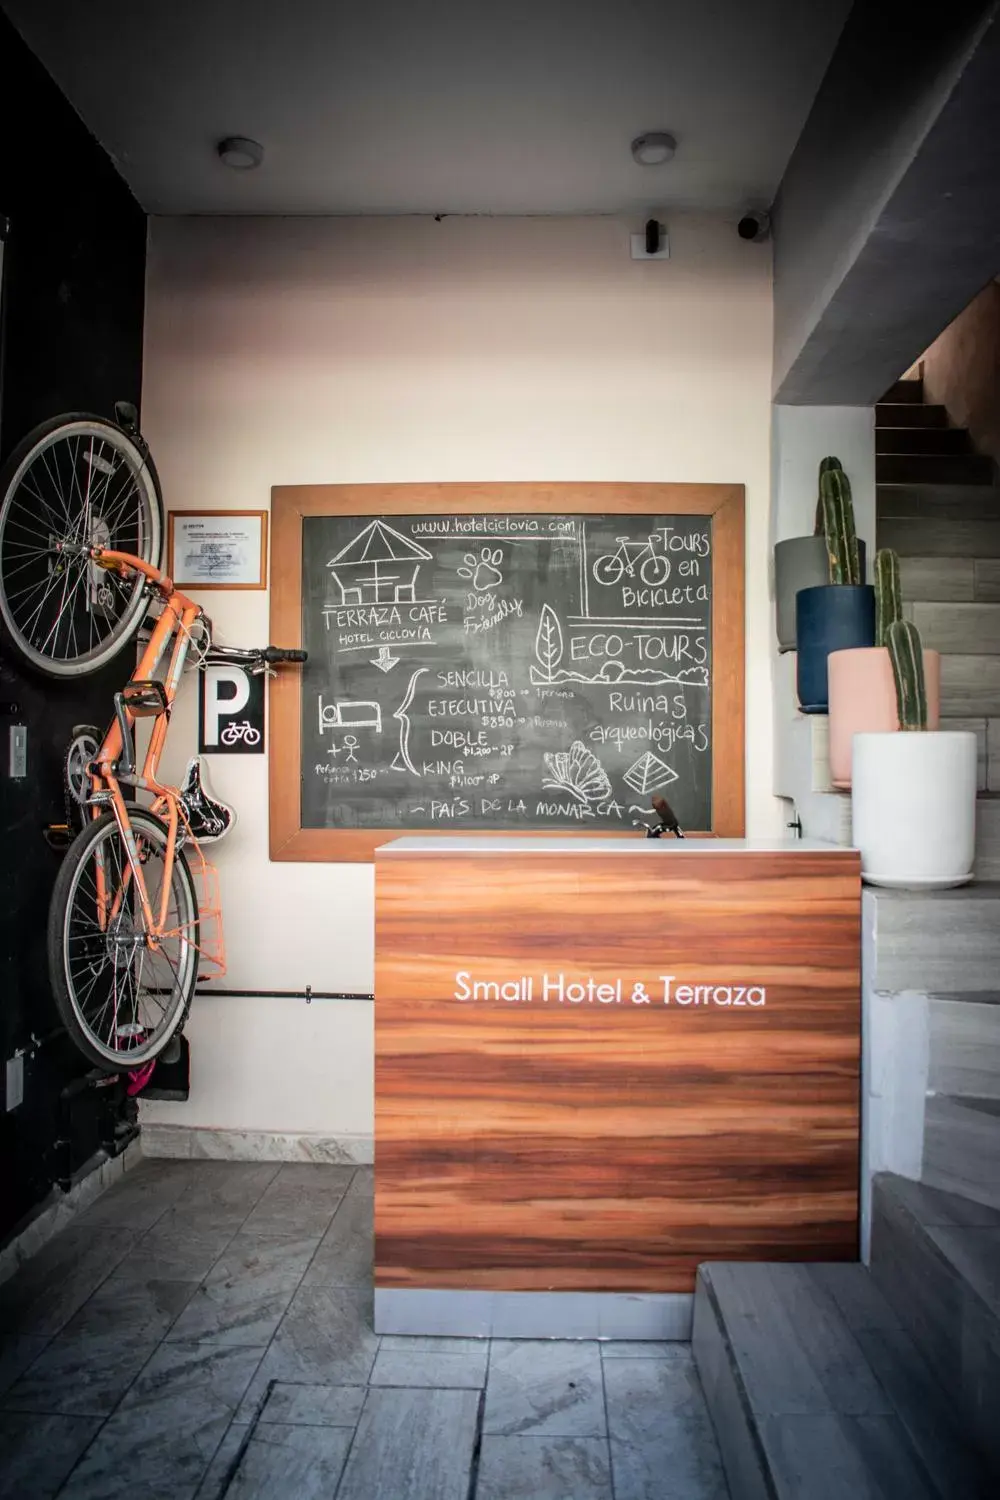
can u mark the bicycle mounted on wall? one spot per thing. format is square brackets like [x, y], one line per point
[135, 911]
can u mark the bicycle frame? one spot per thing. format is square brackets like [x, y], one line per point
[174, 625]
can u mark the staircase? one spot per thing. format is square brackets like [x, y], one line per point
[854, 1382]
[938, 505]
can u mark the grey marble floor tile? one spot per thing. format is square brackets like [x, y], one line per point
[220, 1195]
[344, 1257]
[246, 1293]
[215, 1484]
[36, 1453]
[57, 1281]
[663, 1444]
[137, 1201]
[81, 1375]
[412, 1444]
[142, 1310]
[442, 1371]
[280, 1459]
[551, 1388]
[544, 1468]
[174, 1255]
[166, 1432]
[315, 1405]
[300, 1201]
[325, 1338]
[17, 1352]
[363, 1183]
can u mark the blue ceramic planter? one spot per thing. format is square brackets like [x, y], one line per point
[832, 617]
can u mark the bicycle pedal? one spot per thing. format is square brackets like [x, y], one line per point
[58, 836]
[145, 699]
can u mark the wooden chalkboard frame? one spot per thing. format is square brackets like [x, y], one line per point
[290, 504]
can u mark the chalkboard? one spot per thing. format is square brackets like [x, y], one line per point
[518, 670]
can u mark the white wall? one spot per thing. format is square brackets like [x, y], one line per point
[322, 351]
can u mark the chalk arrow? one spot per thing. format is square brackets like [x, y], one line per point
[385, 661]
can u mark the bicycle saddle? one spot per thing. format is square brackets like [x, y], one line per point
[208, 818]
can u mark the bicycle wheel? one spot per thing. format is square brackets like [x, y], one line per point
[609, 569]
[121, 994]
[82, 480]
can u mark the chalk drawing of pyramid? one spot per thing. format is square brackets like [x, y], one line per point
[649, 773]
[380, 566]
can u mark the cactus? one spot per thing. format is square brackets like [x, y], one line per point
[888, 599]
[838, 527]
[907, 657]
[825, 465]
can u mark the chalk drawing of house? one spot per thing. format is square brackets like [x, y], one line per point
[380, 566]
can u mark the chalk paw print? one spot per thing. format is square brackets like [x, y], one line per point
[483, 571]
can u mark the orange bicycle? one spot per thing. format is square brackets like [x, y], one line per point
[135, 908]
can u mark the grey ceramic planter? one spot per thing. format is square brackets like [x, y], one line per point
[800, 563]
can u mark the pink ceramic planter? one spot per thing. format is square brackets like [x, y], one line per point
[863, 700]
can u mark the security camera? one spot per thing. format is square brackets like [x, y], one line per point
[754, 225]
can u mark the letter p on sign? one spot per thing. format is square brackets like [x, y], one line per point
[230, 711]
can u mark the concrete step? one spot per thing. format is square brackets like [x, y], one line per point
[944, 502]
[906, 392]
[970, 686]
[919, 440]
[933, 468]
[909, 414]
[957, 629]
[987, 866]
[962, 1151]
[934, 942]
[934, 1256]
[818, 1392]
[935, 537]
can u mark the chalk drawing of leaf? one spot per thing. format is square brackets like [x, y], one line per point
[577, 772]
[549, 641]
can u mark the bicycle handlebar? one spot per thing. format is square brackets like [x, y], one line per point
[267, 655]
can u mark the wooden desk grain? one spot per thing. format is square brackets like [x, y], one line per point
[529, 1146]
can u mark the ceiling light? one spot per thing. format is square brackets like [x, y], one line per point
[653, 148]
[240, 153]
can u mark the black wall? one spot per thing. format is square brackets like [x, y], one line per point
[74, 273]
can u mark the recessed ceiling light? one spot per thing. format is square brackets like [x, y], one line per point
[240, 153]
[653, 148]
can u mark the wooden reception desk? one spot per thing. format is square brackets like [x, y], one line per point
[599, 1062]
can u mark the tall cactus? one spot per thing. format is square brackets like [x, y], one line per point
[888, 598]
[825, 464]
[838, 527]
[907, 657]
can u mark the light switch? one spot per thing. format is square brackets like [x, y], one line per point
[18, 751]
[15, 1081]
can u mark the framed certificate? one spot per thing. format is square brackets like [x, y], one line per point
[217, 549]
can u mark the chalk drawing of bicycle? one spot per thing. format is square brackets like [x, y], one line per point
[632, 558]
[243, 730]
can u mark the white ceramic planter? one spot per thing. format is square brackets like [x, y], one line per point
[915, 808]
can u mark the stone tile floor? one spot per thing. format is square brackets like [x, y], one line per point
[204, 1330]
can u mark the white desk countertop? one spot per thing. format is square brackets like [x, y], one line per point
[498, 843]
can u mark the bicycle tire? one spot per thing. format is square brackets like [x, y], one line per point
[21, 517]
[609, 570]
[103, 959]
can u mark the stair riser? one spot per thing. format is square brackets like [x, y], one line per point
[937, 502]
[964, 1049]
[957, 580]
[741, 1457]
[958, 468]
[970, 686]
[937, 944]
[909, 414]
[908, 392]
[987, 866]
[962, 1150]
[947, 1320]
[957, 629]
[920, 440]
[958, 538]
